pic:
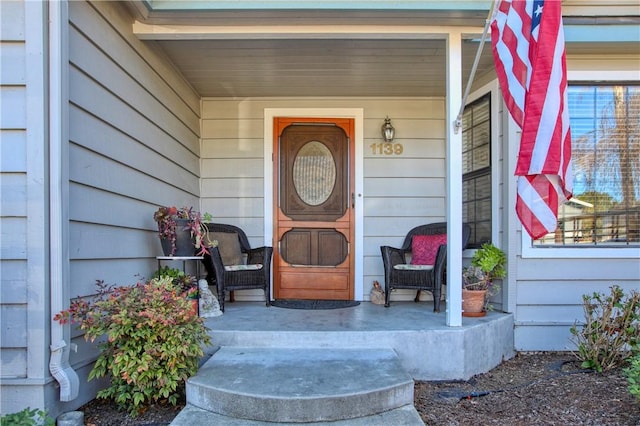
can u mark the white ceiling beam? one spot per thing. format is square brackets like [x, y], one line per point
[191, 32]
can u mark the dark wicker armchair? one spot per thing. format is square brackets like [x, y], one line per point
[429, 279]
[226, 267]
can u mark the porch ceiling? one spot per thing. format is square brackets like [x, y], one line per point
[280, 52]
[348, 53]
[317, 67]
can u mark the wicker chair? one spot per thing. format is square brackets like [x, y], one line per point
[237, 274]
[429, 279]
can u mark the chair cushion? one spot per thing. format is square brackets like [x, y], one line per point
[229, 246]
[252, 267]
[425, 247]
[405, 267]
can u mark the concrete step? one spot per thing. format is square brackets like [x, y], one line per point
[294, 385]
[403, 416]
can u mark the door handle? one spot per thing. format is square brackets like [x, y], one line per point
[353, 200]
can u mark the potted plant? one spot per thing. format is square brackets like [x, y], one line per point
[487, 264]
[182, 231]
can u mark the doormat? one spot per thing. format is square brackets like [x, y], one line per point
[314, 304]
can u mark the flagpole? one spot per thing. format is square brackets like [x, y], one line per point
[458, 122]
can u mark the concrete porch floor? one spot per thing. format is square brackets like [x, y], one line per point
[426, 347]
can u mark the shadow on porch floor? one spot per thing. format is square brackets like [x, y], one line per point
[427, 348]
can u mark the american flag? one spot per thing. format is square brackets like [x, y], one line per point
[529, 54]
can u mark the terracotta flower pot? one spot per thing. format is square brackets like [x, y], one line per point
[473, 302]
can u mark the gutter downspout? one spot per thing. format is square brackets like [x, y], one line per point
[58, 247]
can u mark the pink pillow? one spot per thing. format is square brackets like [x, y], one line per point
[424, 248]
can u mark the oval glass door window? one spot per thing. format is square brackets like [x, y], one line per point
[314, 173]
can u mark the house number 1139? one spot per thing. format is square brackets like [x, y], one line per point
[386, 148]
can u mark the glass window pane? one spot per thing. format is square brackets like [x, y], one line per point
[314, 173]
[605, 137]
[466, 162]
[481, 158]
[476, 168]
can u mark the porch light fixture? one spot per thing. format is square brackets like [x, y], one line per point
[388, 132]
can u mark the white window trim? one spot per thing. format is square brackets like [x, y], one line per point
[493, 89]
[586, 252]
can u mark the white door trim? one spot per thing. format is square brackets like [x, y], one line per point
[357, 114]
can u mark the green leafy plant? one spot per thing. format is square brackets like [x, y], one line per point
[153, 340]
[185, 282]
[487, 264]
[27, 417]
[633, 374]
[611, 328]
[166, 217]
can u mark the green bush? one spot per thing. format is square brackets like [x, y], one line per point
[186, 283]
[610, 330]
[153, 340]
[633, 374]
[27, 417]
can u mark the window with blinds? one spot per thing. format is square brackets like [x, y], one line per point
[605, 140]
[476, 170]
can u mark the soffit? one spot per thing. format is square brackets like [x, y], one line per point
[352, 53]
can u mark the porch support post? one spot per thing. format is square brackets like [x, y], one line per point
[454, 181]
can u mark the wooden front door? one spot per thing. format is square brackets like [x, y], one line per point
[313, 204]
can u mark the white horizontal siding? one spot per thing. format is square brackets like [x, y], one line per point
[93, 241]
[14, 278]
[13, 198]
[13, 104]
[230, 187]
[566, 292]
[14, 325]
[238, 168]
[109, 142]
[140, 95]
[130, 123]
[232, 129]
[563, 314]
[105, 173]
[547, 309]
[93, 206]
[232, 167]
[134, 145]
[214, 108]
[232, 207]
[404, 187]
[12, 63]
[13, 24]
[396, 228]
[22, 183]
[606, 270]
[547, 293]
[13, 151]
[13, 234]
[399, 207]
[109, 27]
[232, 148]
[541, 336]
[14, 363]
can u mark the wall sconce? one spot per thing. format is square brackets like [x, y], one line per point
[388, 132]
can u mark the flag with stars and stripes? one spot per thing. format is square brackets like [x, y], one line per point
[528, 48]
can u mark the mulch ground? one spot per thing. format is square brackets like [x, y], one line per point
[530, 389]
